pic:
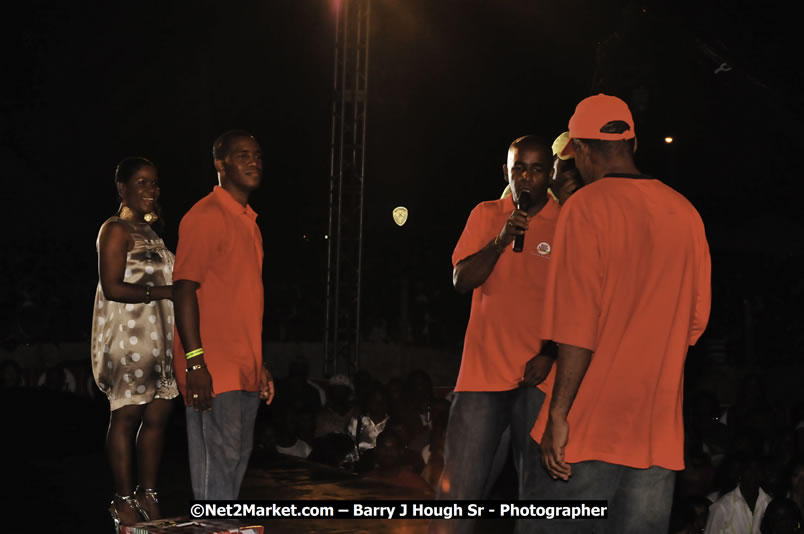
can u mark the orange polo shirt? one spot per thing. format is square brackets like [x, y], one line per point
[501, 336]
[630, 281]
[220, 247]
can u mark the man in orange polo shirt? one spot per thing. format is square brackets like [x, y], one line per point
[628, 292]
[219, 297]
[501, 345]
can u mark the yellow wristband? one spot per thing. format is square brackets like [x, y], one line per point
[194, 353]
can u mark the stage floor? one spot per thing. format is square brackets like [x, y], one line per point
[285, 478]
[56, 476]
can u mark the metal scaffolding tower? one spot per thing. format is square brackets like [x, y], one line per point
[347, 165]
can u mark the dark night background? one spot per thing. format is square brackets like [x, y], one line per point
[451, 84]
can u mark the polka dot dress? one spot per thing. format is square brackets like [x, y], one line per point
[132, 356]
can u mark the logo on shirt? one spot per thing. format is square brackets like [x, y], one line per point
[543, 248]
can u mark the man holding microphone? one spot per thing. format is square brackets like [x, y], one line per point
[501, 357]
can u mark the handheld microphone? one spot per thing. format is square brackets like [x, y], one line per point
[524, 205]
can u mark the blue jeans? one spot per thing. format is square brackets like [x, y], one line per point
[639, 500]
[219, 443]
[475, 437]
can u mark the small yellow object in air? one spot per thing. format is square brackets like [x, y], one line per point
[400, 215]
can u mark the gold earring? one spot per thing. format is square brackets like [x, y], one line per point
[151, 217]
[126, 213]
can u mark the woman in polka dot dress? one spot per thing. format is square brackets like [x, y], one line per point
[132, 340]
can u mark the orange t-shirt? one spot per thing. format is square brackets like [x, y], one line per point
[220, 247]
[630, 281]
[502, 334]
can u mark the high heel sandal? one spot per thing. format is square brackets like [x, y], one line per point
[131, 502]
[150, 497]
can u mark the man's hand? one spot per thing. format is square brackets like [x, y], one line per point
[266, 386]
[199, 390]
[516, 225]
[537, 370]
[552, 445]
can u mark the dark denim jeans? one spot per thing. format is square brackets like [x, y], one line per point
[475, 435]
[639, 499]
[220, 442]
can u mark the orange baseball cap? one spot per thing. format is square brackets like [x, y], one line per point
[594, 112]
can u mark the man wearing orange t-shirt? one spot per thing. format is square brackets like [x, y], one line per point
[501, 345]
[628, 292]
[218, 297]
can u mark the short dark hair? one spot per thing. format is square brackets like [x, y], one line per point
[611, 147]
[530, 142]
[223, 144]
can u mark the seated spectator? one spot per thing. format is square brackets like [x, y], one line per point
[287, 439]
[365, 428]
[57, 378]
[389, 468]
[782, 516]
[741, 509]
[339, 410]
[295, 394]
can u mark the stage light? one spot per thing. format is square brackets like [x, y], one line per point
[400, 215]
[668, 139]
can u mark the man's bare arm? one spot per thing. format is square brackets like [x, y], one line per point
[472, 271]
[571, 366]
[188, 323]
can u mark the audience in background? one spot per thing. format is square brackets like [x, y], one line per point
[390, 468]
[742, 508]
[334, 417]
[781, 517]
[349, 428]
[287, 437]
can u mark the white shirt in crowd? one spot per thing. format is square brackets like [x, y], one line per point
[730, 514]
